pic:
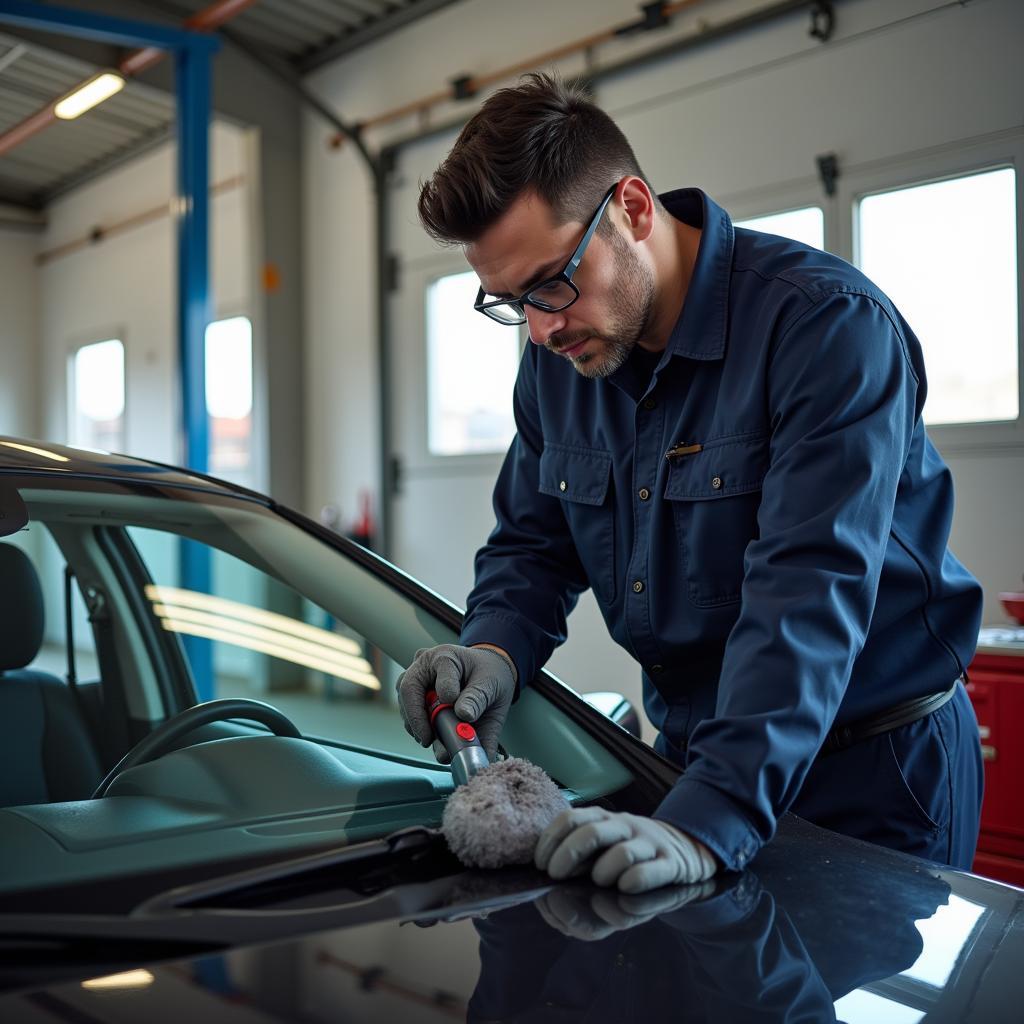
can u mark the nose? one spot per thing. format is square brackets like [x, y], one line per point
[542, 325]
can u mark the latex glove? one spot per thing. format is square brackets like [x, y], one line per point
[593, 916]
[477, 681]
[633, 853]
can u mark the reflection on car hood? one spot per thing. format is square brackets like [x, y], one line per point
[821, 928]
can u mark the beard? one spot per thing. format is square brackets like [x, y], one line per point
[634, 303]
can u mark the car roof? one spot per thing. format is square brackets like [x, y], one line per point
[23, 455]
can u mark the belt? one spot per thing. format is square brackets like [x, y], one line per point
[844, 736]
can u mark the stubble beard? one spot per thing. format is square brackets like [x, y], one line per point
[635, 302]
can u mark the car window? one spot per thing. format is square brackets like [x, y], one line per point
[251, 635]
[60, 633]
[288, 618]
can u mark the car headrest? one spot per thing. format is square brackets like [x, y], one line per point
[21, 609]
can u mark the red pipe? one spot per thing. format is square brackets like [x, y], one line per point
[202, 21]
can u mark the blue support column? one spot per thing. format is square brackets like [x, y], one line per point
[193, 53]
[193, 84]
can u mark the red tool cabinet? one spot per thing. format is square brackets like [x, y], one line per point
[996, 689]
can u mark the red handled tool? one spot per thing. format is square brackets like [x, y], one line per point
[459, 739]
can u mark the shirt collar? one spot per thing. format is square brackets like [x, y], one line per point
[699, 332]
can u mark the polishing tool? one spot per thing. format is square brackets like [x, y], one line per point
[498, 811]
[459, 739]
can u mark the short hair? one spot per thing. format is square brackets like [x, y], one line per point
[542, 135]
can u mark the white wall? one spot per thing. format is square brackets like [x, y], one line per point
[18, 327]
[125, 286]
[902, 83]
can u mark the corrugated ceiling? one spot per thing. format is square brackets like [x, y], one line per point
[301, 33]
[68, 151]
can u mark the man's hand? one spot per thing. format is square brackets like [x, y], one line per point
[478, 681]
[633, 853]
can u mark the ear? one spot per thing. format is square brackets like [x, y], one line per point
[637, 205]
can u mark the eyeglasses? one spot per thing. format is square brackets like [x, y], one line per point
[551, 295]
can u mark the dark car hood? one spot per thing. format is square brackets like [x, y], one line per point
[820, 926]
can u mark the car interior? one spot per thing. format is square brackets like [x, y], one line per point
[121, 770]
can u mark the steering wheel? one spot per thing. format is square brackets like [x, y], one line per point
[165, 736]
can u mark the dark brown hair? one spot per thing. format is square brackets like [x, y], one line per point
[541, 134]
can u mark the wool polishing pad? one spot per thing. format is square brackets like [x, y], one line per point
[496, 818]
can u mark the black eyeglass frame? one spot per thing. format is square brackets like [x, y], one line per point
[565, 276]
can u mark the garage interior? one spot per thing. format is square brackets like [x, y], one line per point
[221, 265]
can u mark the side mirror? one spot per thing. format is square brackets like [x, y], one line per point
[13, 512]
[617, 708]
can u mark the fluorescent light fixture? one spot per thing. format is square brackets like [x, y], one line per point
[222, 606]
[246, 629]
[97, 89]
[127, 979]
[275, 650]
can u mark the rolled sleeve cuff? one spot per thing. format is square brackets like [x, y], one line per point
[508, 634]
[708, 815]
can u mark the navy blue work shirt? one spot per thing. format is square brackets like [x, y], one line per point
[762, 519]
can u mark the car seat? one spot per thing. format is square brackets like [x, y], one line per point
[46, 753]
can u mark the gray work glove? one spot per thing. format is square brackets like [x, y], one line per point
[477, 681]
[593, 916]
[633, 853]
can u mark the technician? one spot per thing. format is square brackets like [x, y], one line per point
[719, 431]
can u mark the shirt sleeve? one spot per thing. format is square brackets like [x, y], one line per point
[844, 397]
[528, 575]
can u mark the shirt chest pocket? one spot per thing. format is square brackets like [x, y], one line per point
[580, 478]
[714, 494]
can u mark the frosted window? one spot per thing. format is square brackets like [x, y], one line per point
[96, 391]
[471, 370]
[229, 396]
[946, 254]
[806, 225]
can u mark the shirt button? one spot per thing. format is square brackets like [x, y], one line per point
[644, 493]
[562, 486]
[649, 403]
[657, 668]
[620, 960]
[716, 482]
[638, 586]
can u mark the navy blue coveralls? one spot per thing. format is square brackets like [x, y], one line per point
[764, 524]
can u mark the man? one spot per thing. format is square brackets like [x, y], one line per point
[720, 432]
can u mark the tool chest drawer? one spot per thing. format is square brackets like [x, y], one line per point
[996, 689]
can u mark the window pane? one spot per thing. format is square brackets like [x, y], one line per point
[471, 369]
[96, 392]
[806, 225]
[946, 254]
[229, 396]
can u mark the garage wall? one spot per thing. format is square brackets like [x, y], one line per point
[18, 302]
[903, 84]
[125, 286]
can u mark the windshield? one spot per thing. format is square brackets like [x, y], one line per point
[155, 599]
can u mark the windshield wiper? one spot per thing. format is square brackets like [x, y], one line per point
[284, 879]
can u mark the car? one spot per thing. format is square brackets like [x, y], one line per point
[210, 806]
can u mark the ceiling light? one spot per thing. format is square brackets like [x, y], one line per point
[87, 95]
